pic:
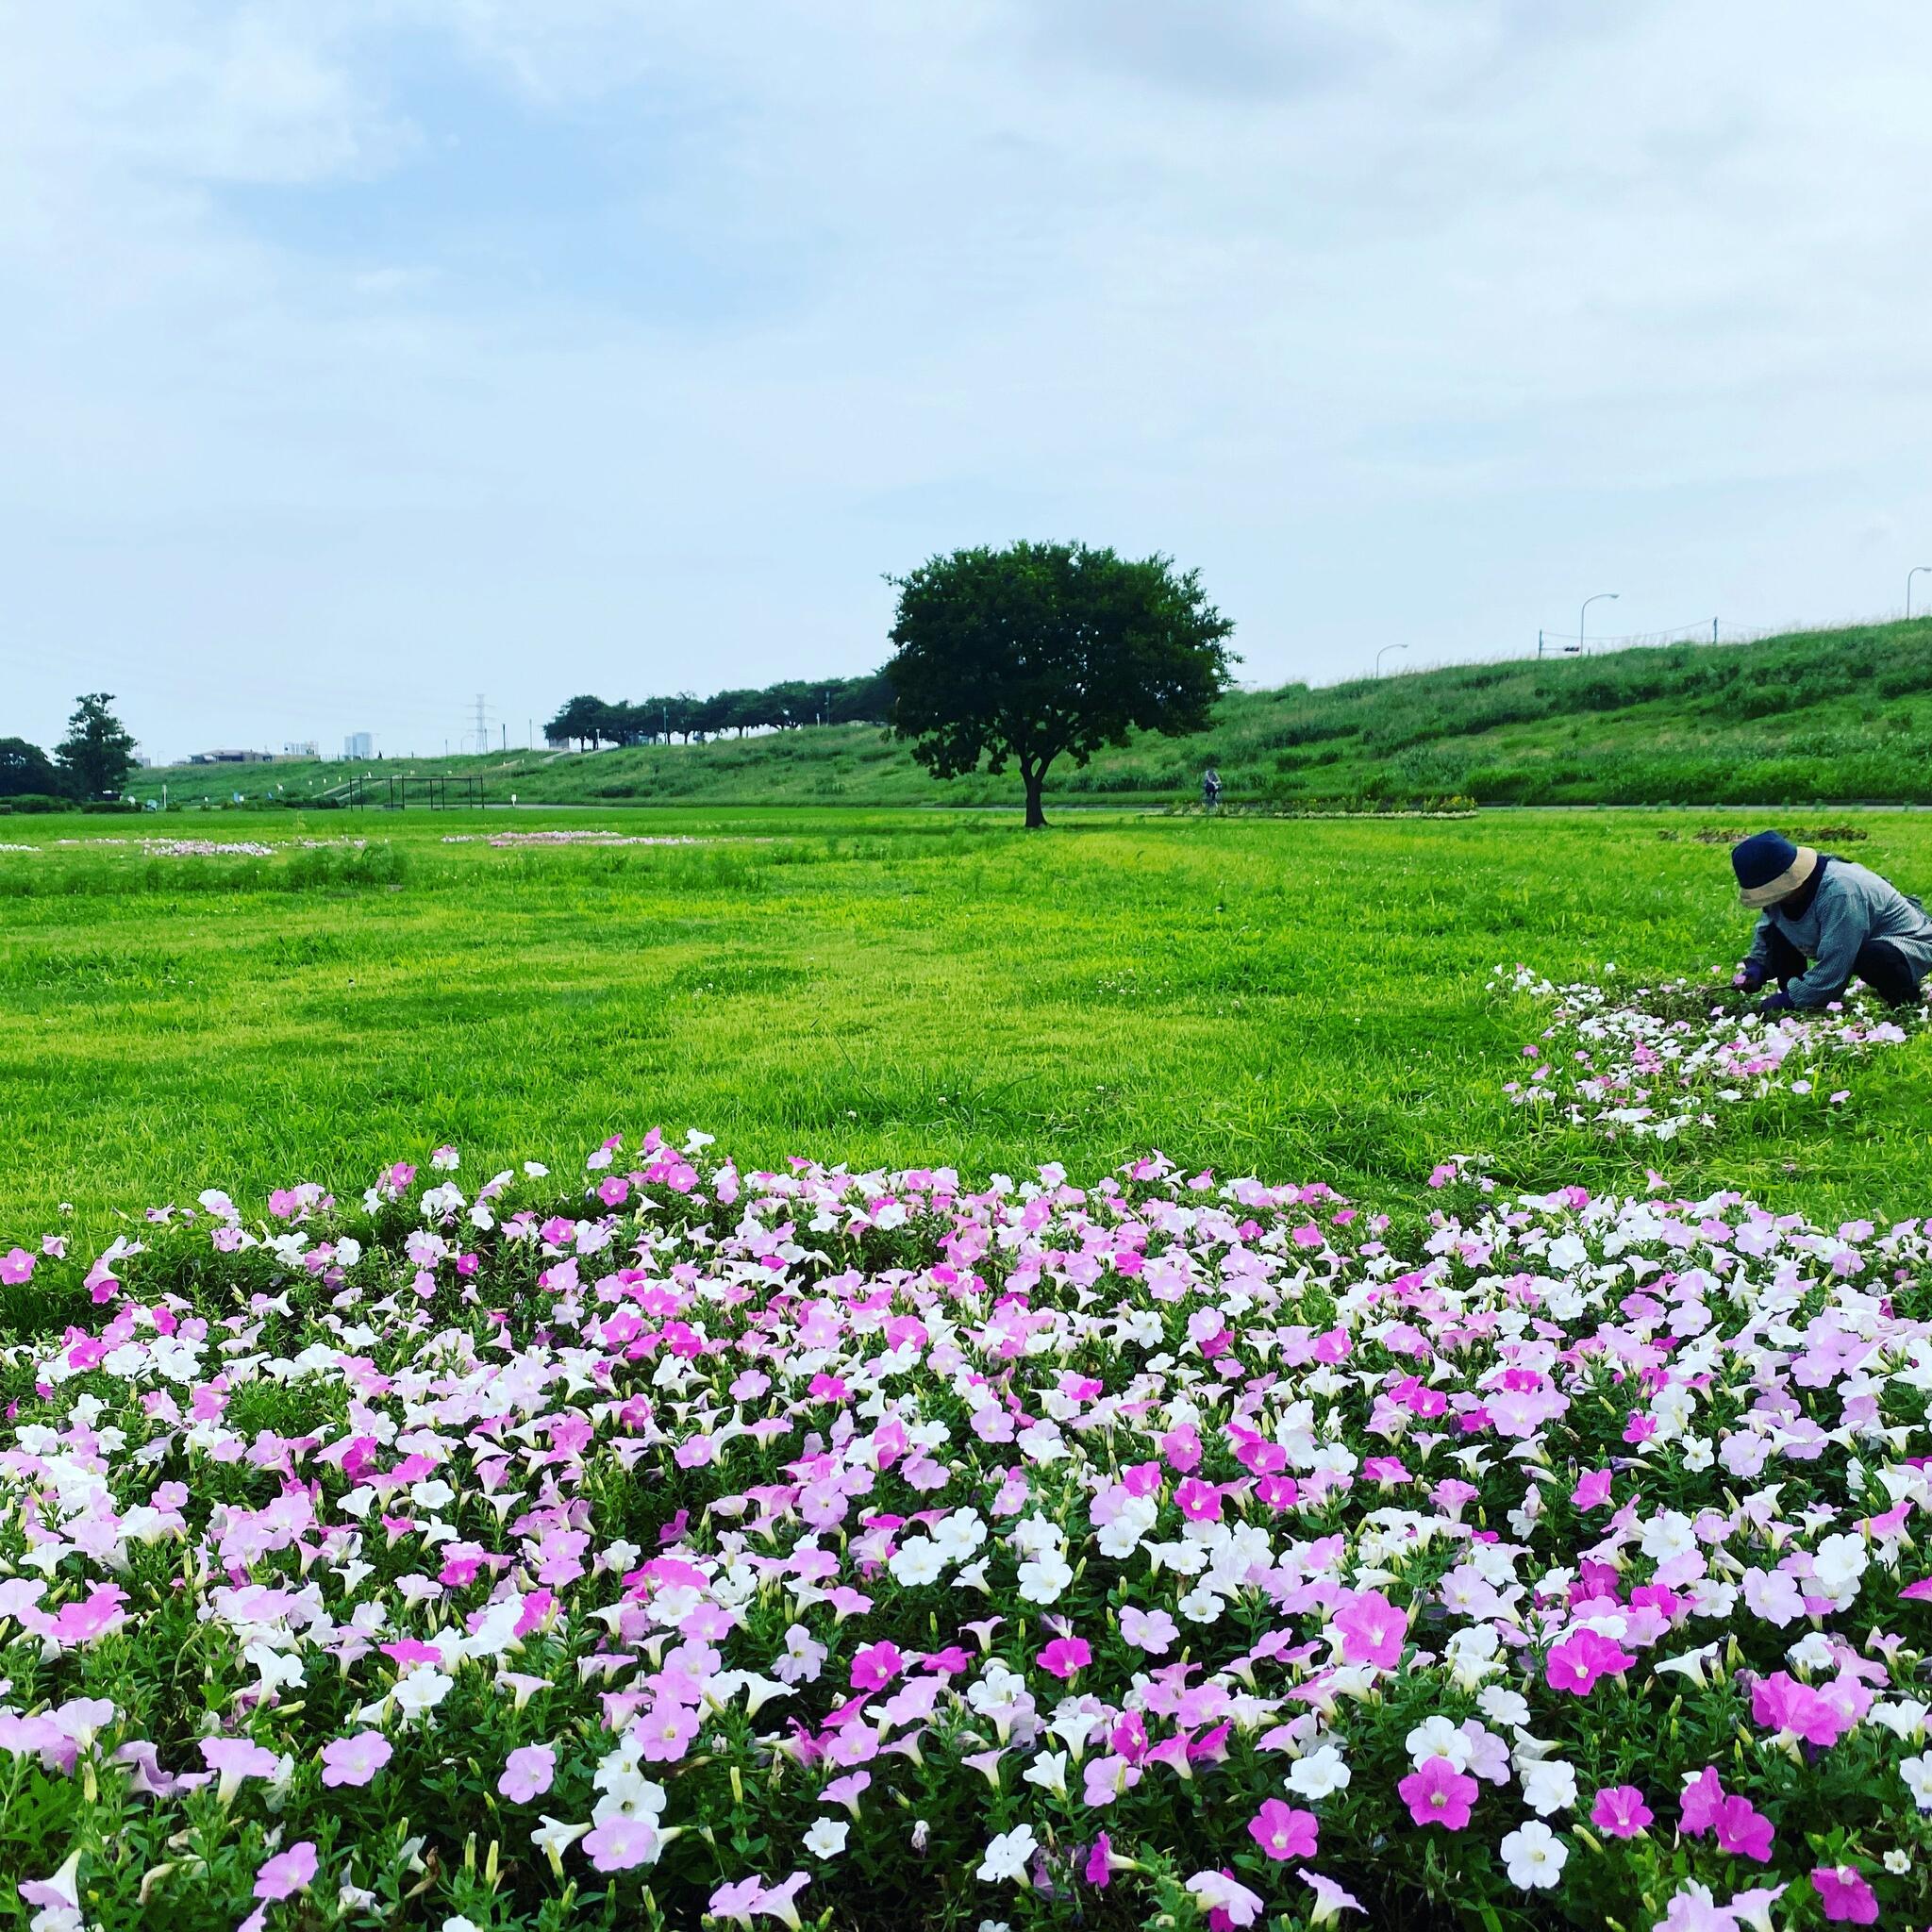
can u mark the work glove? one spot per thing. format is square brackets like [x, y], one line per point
[1750, 976]
[1774, 1002]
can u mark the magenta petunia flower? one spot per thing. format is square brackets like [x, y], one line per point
[1283, 1832]
[1847, 1899]
[1592, 1489]
[1576, 1663]
[1064, 1656]
[1620, 1811]
[1702, 1800]
[1744, 1830]
[1199, 1502]
[875, 1666]
[1438, 1794]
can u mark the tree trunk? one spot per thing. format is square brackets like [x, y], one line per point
[1032, 776]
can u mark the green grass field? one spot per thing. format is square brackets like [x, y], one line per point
[1818, 716]
[1302, 1000]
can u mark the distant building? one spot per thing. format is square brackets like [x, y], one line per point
[360, 744]
[231, 758]
[300, 748]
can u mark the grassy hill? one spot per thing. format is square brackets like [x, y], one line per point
[1811, 717]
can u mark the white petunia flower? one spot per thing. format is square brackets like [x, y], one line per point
[1534, 1857]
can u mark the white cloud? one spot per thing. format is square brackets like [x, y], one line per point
[354, 356]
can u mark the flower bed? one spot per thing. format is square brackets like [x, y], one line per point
[511, 840]
[1658, 1062]
[877, 1549]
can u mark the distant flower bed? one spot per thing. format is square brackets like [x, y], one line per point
[565, 838]
[882, 1549]
[206, 848]
[1656, 1062]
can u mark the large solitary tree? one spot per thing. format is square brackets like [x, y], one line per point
[98, 748]
[1044, 649]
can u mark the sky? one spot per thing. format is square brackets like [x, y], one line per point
[359, 357]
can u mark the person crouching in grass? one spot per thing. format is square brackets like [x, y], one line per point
[1822, 920]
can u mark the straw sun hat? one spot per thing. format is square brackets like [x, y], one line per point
[1769, 868]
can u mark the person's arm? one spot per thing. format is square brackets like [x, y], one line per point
[1844, 927]
[1751, 974]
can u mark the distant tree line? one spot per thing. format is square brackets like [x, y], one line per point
[89, 763]
[596, 721]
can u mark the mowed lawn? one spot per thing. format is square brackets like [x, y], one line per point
[1295, 999]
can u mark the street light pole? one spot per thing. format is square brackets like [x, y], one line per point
[1917, 569]
[1599, 598]
[1383, 653]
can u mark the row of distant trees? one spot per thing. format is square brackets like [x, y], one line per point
[594, 721]
[92, 762]
[1021, 655]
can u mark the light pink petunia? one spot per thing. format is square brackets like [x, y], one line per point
[621, 1843]
[1331, 1899]
[287, 1873]
[355, 1760]
[232, 1759]
[528, 1773]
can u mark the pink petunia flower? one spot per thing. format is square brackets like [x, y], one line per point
[1372, 1629]
[1592, 1489]
[234, 1758]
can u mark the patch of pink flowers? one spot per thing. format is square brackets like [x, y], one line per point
[715, 1540]
[1659, 1062]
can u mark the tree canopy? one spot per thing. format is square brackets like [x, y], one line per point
[26, 771]
[782, 706]
[1042, 650]
[98, 748]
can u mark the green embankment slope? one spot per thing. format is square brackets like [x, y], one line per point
[1809, 717]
